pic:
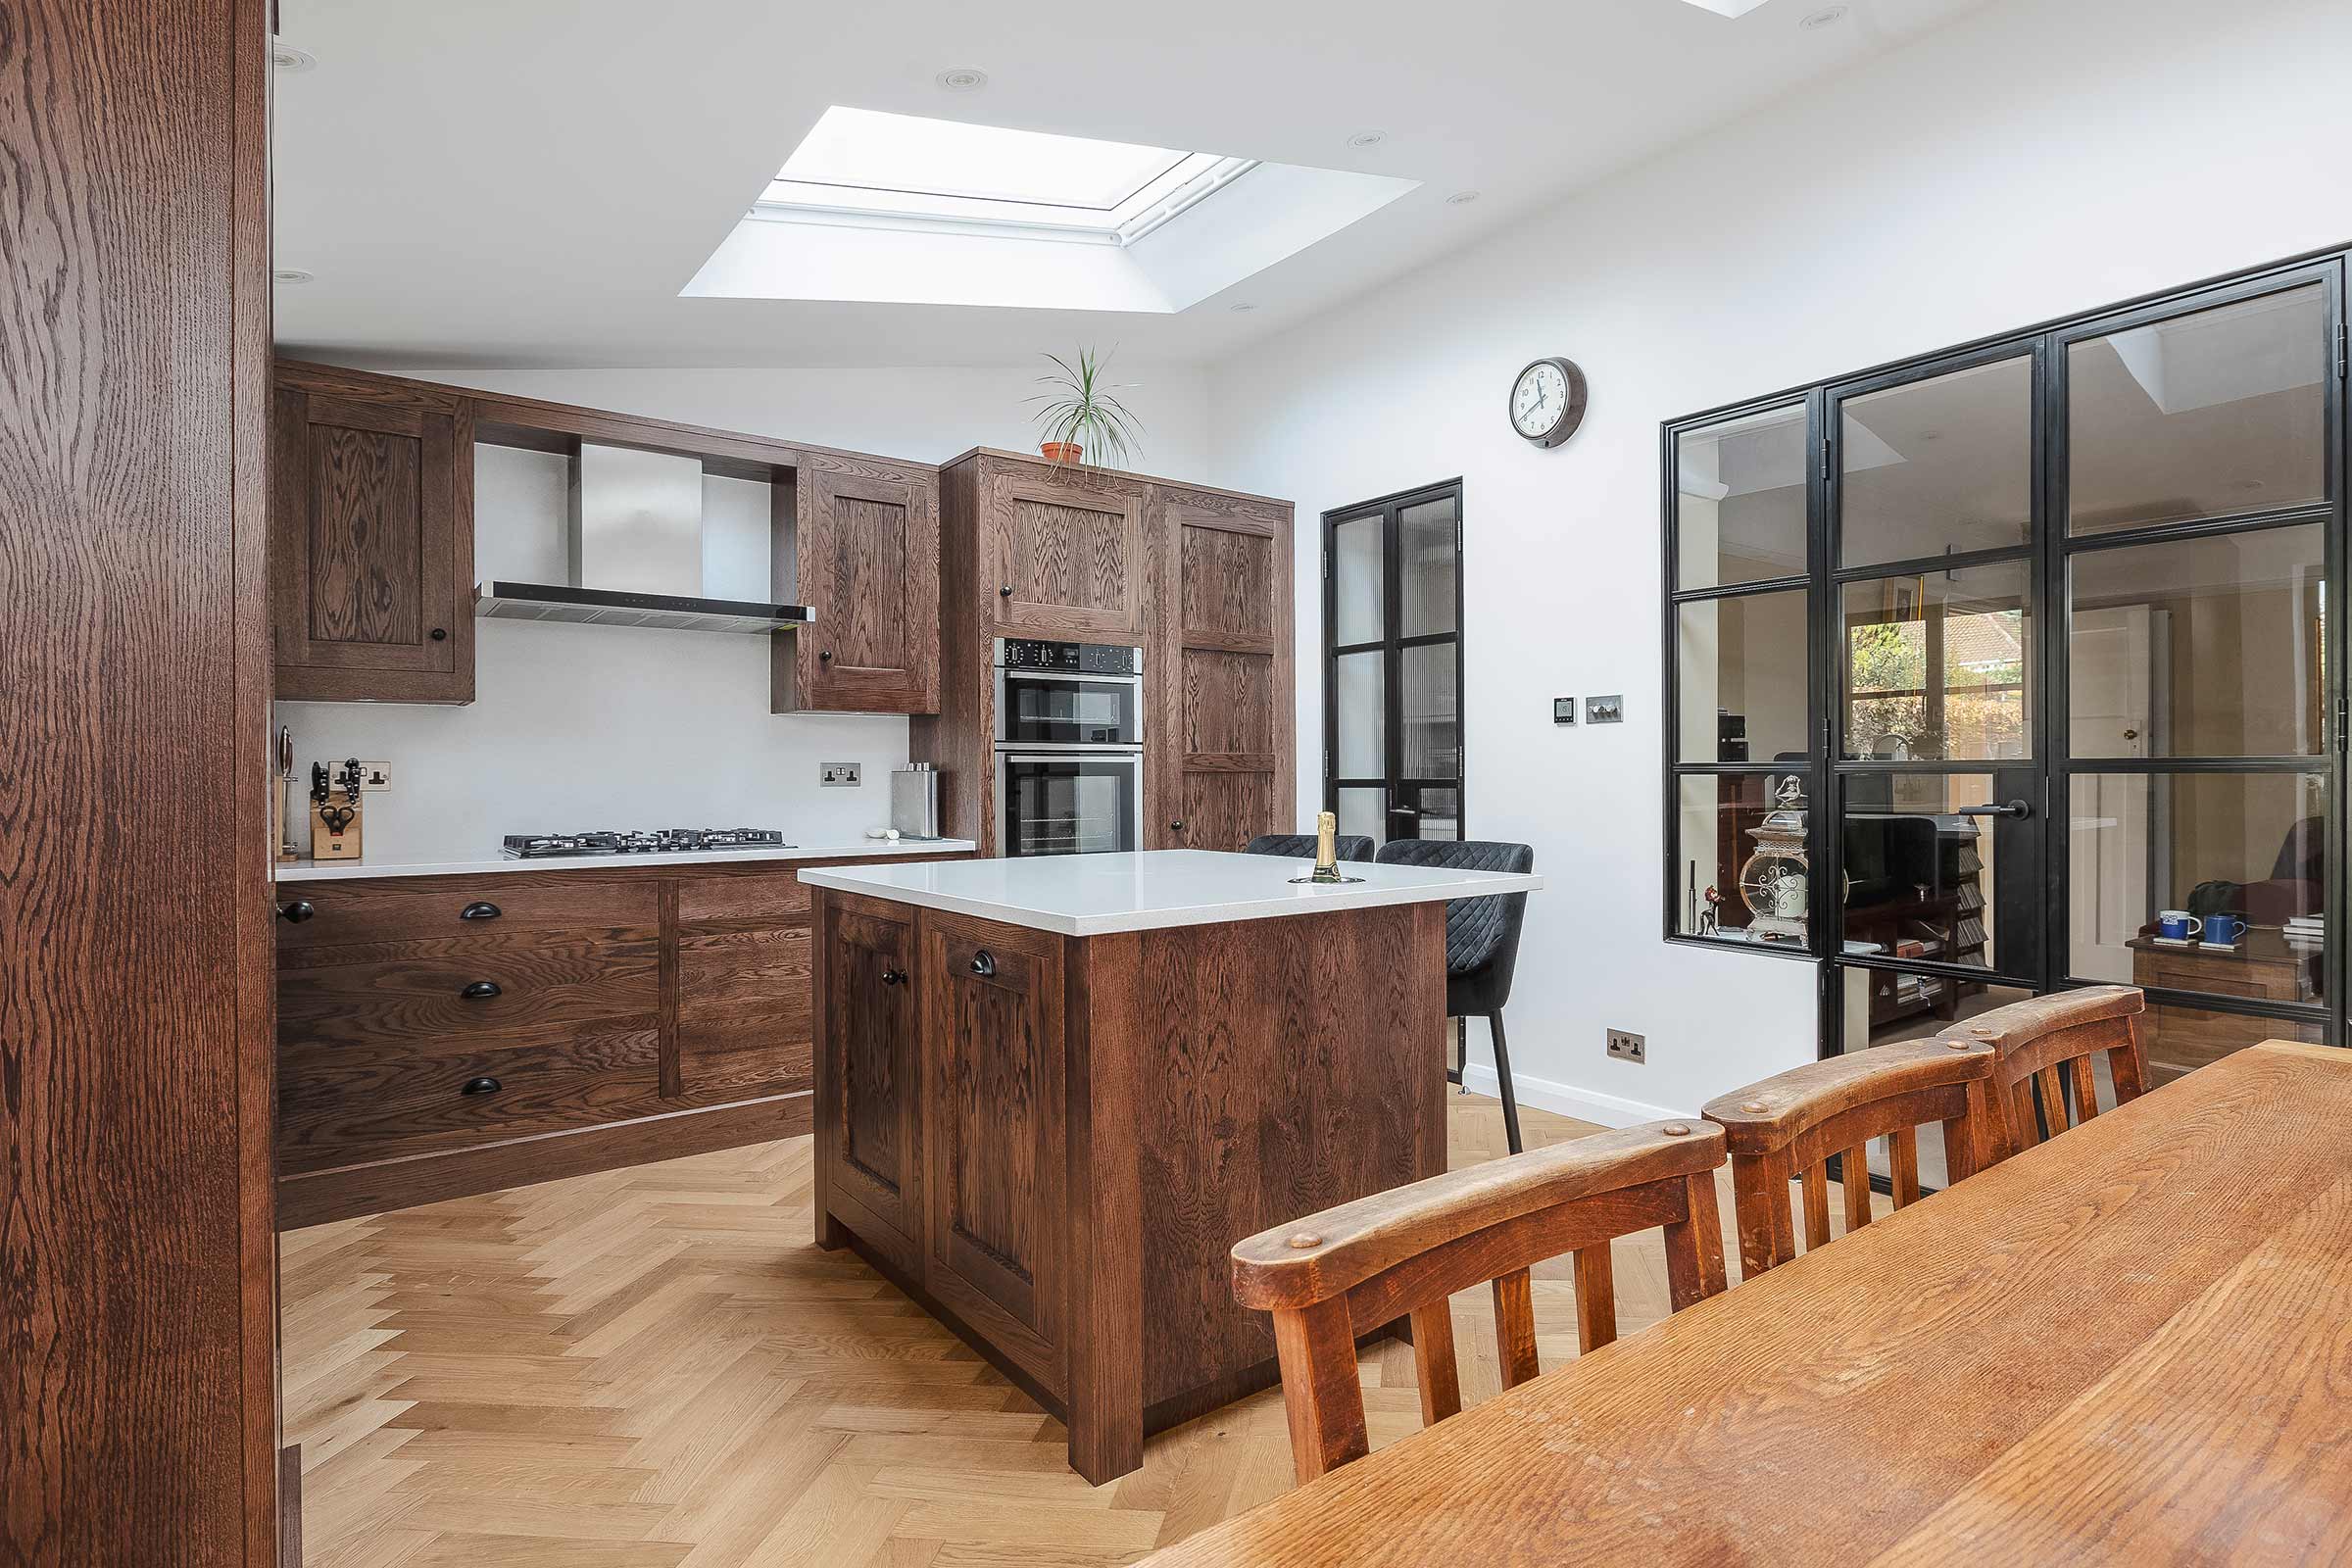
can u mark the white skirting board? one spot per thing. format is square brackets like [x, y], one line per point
[1584, 1105]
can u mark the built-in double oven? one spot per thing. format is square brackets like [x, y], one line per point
[1070, 747]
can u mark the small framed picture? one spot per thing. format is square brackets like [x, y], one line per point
[1563, 710]
[1604, 710]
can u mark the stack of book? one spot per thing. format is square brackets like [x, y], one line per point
[2308, 932]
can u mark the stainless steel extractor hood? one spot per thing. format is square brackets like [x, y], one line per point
[634, 555]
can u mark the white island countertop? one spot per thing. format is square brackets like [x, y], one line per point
[863, 848]
[1093, 895]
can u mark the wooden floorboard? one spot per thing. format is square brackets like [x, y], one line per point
[657, 1368]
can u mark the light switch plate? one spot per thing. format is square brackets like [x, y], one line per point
[1604, 710]
[1563, 710]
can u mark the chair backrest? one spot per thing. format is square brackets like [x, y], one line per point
[2035, 1039]
[1789, 1124]
[1479, 933]
[1349, 1270]
[1301, 846]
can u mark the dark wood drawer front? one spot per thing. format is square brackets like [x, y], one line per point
[778, 899]
[403, 1096]
[369, 1006]
[743, 1014]
[348, 913]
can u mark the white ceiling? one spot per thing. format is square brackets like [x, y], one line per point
[530, 182]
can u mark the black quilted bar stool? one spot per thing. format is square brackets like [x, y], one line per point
[1482, 946]
[1301, 846]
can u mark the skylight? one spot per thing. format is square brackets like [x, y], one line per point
[1728, 8]
[906, 170]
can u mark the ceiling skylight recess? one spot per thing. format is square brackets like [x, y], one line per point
[864, 167]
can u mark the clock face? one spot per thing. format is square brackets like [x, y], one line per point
[1548, 402]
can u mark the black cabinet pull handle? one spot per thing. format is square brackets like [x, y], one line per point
[480, 990]
[983, 964]
[894, 977]
[440, 634]
[482, 1086]
[299, 911]
[480, 911]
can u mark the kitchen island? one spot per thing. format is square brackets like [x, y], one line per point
[1052, 1093]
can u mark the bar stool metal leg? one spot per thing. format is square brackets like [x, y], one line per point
[1502, 1076]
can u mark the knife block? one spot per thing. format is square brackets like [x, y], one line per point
[325, 843]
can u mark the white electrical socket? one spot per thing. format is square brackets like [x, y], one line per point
[840, 776]
[374, 776]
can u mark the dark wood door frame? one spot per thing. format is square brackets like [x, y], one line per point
[135, 997]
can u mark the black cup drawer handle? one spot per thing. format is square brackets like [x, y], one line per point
[894, 977]
[482, 1086]
[480, 911]
[299, 911]
[983, 964]
[480, 990]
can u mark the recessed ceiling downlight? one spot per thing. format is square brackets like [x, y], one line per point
[962, 79]
[1241, 307]
[1826, 16]
[1367, 139]
[289, 58]
[1461, 198]
[290, 275]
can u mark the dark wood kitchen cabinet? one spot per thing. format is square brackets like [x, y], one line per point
[1065, 552]
[441, 1036]
[869, 1113]
[371, 538]
[865, 538]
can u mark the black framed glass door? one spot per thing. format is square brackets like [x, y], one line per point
[1392, 666]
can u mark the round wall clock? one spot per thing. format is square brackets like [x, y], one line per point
[1547, 400]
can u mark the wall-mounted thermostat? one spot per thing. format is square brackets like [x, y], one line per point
[1563, 710]
[1604, 710]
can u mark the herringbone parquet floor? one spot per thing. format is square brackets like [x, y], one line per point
[656, 1367]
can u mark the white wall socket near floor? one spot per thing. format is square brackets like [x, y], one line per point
[841, 776]
[1628, 1047]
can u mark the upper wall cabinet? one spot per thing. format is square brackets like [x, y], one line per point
[866, 545]
[1065, 551]
[372, 539]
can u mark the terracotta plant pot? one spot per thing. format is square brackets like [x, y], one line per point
[1061, 451]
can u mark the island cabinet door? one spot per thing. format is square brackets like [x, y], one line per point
[994, 1120]
[870, 1110]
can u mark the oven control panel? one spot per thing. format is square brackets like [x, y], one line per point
[1078, 658]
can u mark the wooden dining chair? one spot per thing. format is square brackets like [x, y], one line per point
[2034, 1039]
[1787, 1126]
[1344, 1271]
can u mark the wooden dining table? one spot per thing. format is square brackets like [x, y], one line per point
[2132, 1344]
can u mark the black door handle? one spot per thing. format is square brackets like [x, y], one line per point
[299, 911]
[482, 1086]
[894, 977]
[2008, 808]
[983, 964]
[824, 655]
[480, 911]
[440, 634]
[1005, 592]
[1175, 828]
[480, 990]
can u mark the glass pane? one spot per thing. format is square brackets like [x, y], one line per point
[1741, 513]
[1740, 663]
[1441, 814]
[1425, 567]
[2217, 848]
[1356, 575]
[2206, 415]
[1938, 466]
[1365, 812]
[1922, 881]
[2181, 1038]
[1886, 1008]
[1432, 728]
[1743, 860]
[1360, 685]
[2200, 648]
[1940, 667]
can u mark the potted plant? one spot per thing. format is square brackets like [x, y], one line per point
[1077, 415]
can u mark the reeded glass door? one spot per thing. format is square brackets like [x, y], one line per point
[1391, 618]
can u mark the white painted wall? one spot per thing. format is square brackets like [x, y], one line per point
[2033, 159]
[576, 727]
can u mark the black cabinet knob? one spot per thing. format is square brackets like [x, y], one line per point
[1175, 828]
[894, 977]
[299, 911]
[1005, 592]
[480, 990]
[480, 911]
[482, 1086]
[440, 634]
[983, 964]
[824, 655]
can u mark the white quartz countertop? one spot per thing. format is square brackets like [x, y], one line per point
[863, 848]
[1091, 895]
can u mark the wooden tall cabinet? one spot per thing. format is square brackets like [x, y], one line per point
[372, 538]
[1200, 578]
